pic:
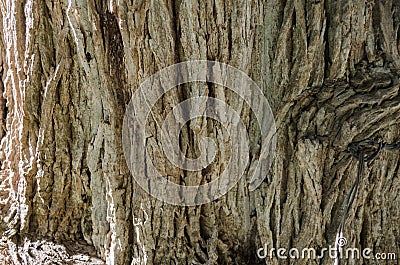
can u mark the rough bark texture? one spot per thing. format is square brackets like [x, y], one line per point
[329, 68]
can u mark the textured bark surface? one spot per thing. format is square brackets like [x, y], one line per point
[329, 68]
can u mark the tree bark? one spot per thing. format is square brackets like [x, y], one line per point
[329, 69]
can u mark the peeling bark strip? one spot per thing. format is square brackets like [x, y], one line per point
[330, 70]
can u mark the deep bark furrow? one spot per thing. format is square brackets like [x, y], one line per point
[330, 70]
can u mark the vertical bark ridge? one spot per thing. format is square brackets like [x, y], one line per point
[329, 69]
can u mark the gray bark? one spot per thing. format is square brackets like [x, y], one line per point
[329, 69]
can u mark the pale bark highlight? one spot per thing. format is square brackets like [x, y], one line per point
[330, 70]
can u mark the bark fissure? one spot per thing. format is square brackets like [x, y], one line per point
[330, 70]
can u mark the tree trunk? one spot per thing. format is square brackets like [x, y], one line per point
[328, 68]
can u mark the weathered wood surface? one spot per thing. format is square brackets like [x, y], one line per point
[329, 69]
